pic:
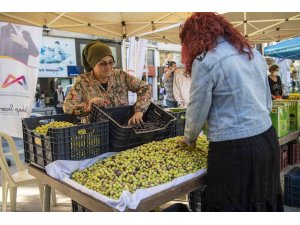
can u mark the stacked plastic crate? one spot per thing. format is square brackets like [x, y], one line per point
[179, 114]
[197, 200]
[292, 187]
[283, 156]
[294, 153]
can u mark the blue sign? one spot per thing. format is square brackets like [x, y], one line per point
[73, 70]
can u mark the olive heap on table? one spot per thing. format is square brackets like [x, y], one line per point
[145, 166]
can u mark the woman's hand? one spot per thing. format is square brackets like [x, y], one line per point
[181, 104]
[183, 143]
[136, 118]
[170, 71]
[98, 102]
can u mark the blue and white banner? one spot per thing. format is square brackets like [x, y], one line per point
[56, 54]
[19, 61]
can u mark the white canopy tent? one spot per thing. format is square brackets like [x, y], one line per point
[116, 25]
[260, 27]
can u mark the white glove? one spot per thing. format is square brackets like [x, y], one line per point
[19, 40]
[181, 104]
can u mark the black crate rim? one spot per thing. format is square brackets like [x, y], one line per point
[130, 128]
[293, 173]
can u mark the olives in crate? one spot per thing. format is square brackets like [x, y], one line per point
[148, 125]
[43, 129]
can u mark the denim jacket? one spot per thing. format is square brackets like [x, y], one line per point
[231, 92]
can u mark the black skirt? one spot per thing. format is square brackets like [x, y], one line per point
[244, 175]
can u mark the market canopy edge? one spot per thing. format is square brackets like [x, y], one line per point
[259, 27]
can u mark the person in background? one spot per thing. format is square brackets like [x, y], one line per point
[104, 86]
[230, 91]
[58, 99]
[37, 98]
[168, 79]
[275, 82]
[293, 66]
[43, 99]
[181, 87]
[294, 81]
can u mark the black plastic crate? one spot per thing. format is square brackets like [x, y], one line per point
[283, 156]
[292, 187]
[63, 143]
[293, 153]
[122, 137]
[196, 199]
[78, 208]
[178, 129]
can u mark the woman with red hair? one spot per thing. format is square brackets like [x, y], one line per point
[230, 91]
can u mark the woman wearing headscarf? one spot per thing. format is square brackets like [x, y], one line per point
[230, 90]
[105, 86]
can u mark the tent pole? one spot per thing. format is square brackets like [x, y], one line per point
[273, 25]
[22, 19]
[55, 19]
[161, 29]
[153, 22]
[146, 64]
[245, 23]
[100, 28]
[264, 32]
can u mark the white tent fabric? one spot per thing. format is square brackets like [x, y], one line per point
[112, 25]
[260, 27]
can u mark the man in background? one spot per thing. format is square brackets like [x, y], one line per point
[58, 99]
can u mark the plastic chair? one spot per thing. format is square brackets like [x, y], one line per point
[20, 178]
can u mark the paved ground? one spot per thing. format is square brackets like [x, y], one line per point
[28, 196]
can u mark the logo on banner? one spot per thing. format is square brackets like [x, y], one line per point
[11, 79]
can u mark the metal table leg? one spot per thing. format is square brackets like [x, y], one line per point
[47, 195]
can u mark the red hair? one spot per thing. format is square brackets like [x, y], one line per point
[200, 32]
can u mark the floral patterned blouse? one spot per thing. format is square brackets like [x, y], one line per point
[87, 87]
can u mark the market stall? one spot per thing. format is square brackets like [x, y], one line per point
[289, 49]
[143, 174]
[79, 142]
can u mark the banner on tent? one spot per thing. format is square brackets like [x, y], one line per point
[19, 60]
[56, 54]
[136, 60]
